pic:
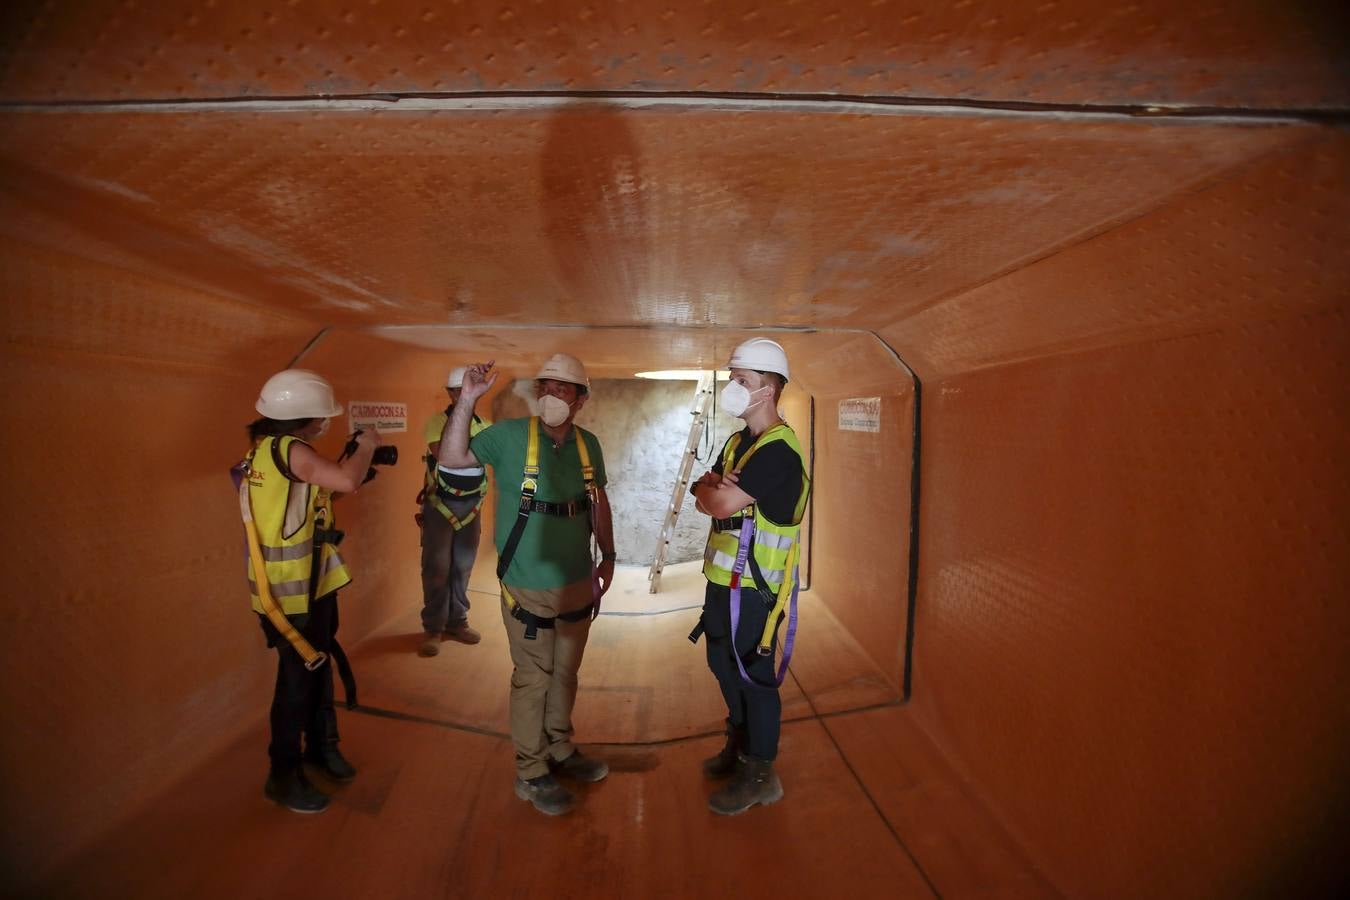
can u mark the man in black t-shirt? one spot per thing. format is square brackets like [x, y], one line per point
[759, 476]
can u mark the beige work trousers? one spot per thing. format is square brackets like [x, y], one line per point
[544, 679]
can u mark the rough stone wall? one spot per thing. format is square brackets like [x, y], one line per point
[643, 426]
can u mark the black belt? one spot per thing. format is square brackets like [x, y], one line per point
[533, 623]
[731, 524]
[564, 510]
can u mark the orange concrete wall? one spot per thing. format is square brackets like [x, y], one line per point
[130, 652]
[860, 552]
[129, 649]
[1131, 626]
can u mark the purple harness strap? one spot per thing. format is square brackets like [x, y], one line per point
[742, 557]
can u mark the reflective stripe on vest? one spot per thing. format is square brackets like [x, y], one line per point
[773, 542]
[285, 514]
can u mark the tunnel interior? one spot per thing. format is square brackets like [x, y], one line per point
[1075, 623]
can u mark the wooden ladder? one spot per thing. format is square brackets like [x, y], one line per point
[702, 401]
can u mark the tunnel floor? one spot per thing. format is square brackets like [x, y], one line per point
[870, 804]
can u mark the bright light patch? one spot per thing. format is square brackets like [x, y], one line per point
[682, 374]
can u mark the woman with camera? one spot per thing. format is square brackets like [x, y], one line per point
[295, 570]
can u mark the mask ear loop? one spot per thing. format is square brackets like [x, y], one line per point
[752, 405]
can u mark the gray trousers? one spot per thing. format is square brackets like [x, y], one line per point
[447, 560]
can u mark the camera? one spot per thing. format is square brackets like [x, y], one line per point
[385, 455]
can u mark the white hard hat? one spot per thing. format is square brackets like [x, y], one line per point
[761, 355]
[561, 367]
[456, 377]
[297, 394]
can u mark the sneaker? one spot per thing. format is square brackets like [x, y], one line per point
[430, 646]
[546, 795]
[581, 768]
[464, 634]
[329, 760]
[291, 789]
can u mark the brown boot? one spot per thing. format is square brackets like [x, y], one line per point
[464, 634]
[723, 765]
[755, 782]
[430, 646]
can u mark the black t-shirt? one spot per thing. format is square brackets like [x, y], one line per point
[773, 476]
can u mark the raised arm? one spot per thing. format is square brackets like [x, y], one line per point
[453, 452]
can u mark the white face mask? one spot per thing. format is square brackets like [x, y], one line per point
[553, 410]
[736, 398]
[323, 428]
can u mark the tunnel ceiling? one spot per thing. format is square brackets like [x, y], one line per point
[1053, 51]
[200, 144]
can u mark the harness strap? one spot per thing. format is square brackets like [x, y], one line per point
[279, 460]
[529, 484]
[764, 648]
[344, 668]
[455, 522]
[313, 658]
[561, 510]
[533, 623]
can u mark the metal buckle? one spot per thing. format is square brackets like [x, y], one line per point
[319, 659]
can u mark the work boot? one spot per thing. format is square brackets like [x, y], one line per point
[581, 768]
[329, 760]
[291, 789]
[431, 644]
[723, 765]
[464, 634]
[755, 782]
[547, 796]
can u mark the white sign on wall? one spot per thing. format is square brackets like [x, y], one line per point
[860, 414]
[384, 417]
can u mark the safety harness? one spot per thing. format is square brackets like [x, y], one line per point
[313, 658]
[529, 485]
[435, 490]
[786, 597]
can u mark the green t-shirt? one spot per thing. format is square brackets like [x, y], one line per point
[553, 551]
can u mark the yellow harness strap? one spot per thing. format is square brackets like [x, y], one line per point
[313, 658]
[530, 483]
[784, 593]
[456, 523]
[790, 574]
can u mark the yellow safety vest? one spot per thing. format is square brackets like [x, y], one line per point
[285, 515]
[434, 487]
[773, 543]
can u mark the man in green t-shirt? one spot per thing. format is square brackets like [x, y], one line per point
[551, 587]
[451, 500]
